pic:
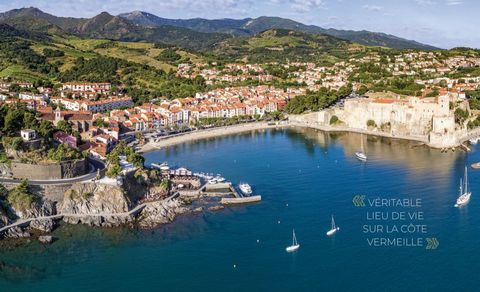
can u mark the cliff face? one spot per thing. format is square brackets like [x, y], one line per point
[95, 204]
[90, 198]
[3, 216]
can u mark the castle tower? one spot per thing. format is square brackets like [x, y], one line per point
[444, 105]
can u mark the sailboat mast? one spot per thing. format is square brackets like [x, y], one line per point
[466, 180]
[361, 137]
[461, 187]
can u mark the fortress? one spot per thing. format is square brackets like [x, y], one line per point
[432, 118]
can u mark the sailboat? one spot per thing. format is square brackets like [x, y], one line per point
[361, 154]
[334, 228]
[294, 245]
[465, 194]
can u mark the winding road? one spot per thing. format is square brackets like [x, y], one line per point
[95, 165]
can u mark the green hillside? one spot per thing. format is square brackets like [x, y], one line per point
[47, 60]
[280, 45]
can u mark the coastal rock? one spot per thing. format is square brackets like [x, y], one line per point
[90, 198]
[198, 210]
[45, 225]
[215, 208]
[99, 221]
[17, 232]
[4, 220]
[95, 205]
[36, 209]
[161, 212]
[47, 239]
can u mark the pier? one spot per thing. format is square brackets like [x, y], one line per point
[241, 200]
[216, 190]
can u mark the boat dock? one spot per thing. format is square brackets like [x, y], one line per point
[222, 189]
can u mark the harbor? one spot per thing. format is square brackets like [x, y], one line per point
[189, 183]
[304, 177]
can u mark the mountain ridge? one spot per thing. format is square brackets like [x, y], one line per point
[107, 26]
[252, 26]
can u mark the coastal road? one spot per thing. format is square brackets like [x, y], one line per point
[94, 166]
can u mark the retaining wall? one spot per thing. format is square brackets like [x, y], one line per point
[66, 169]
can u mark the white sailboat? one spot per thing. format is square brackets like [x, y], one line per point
[465, 194]
[334, 228]
[361, 154]
[294, 245]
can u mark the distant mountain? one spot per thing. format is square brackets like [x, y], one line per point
[108, 26]
[248, 26]
[196, 33]
[230, 26]
[281, 45]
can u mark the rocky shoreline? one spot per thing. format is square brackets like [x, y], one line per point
[152, 216]
[99, 204]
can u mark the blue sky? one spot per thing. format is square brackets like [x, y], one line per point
[443, 23]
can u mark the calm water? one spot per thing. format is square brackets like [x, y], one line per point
[303, 176]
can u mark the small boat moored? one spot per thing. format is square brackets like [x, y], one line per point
[465, 194]
[361, 154]
[474, 141]
[334, 228]
[245, 188]
[295, 246]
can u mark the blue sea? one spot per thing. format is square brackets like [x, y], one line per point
[304, 177]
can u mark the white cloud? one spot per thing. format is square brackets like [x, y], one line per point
[371, 7]
[425, 2]
[453, 2]
[306, 5]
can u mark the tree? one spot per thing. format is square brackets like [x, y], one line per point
[46, 129]
[333, 120]
[64, 126]
[13, 121]
[135, 158]
[99, 122]
[371, 123]
[20, 197]
[3, 192]
[17, 143]
[460, 115]
[362, 90]
[29, 121]
[114, 170]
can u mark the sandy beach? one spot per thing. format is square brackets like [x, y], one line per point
[228, 130]
[205, 134]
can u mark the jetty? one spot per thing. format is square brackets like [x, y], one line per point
[241, 200]
[222, 189]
